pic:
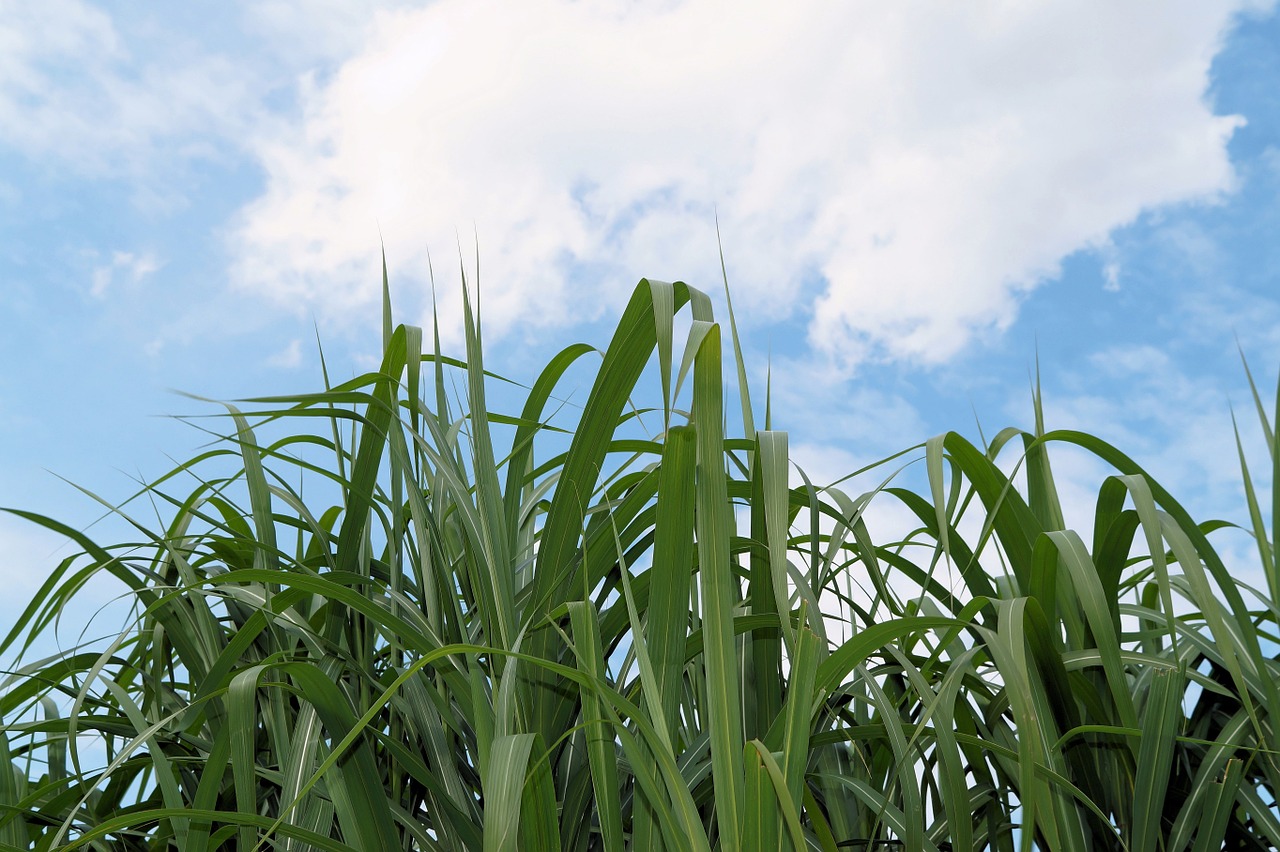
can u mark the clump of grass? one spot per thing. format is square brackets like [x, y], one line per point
[503, 633]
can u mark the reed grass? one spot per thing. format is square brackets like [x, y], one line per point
[387, 617]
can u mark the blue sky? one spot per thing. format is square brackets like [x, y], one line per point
[913, 202]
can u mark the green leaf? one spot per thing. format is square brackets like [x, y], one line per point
[600, 741]
[719, 589]
[1155, 758]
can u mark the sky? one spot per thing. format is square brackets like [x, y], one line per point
[917, 204]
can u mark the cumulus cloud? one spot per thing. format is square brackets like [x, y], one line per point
[899, 174]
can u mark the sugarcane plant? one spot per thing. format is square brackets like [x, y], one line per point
[634, 623]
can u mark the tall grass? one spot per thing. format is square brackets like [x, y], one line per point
[615, 627]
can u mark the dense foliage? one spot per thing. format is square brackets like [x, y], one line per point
[496, 632]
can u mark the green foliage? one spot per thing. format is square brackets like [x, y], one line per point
[494, 632]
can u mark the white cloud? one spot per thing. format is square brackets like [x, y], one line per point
[82, 95]
[905, 172]
[134, 266]
[1111, 267]
[308, 32]
[1111, 272]
[289, 357]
